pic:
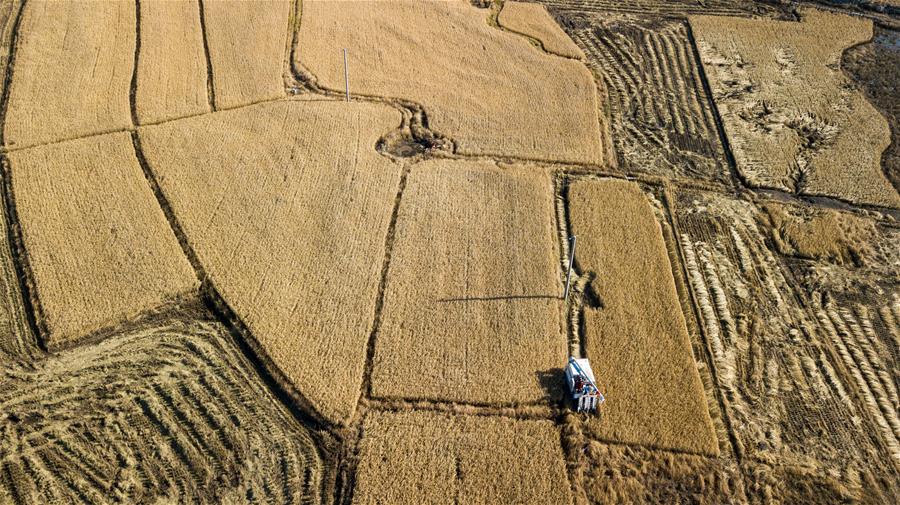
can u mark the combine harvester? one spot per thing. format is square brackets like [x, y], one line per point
[580, 377]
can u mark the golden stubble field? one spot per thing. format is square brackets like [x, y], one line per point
[222, 281]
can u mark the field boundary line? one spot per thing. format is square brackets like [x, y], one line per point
[213, 300]
[132, 93]
[740, 183]
[461, 409]
[329, 439]
[494, 21]
[366, 389]
[210, 83]
[31, 305]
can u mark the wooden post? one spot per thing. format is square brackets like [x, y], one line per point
[571, 263]
[346, 76]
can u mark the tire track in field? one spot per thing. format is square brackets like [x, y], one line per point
[665, 8]
[166, 411]
[799, 382]
[660, 122]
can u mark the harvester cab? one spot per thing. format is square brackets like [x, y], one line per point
[580, 378]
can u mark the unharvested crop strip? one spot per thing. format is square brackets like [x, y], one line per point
[736, 447]
[210, 84]
[574, 322]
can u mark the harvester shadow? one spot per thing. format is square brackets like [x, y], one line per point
[552, 383]
[497, 298]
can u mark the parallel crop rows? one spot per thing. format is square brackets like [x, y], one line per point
[781, 384]
[662, 7]
[660, 119]
[171, 411]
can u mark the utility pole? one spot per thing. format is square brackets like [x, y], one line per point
[346, 76]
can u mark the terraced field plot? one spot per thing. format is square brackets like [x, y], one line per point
[426, 458]
[73, 71]
[490, 91]
[171, 82]
[379, 316]
[661, 122]
[99, 248]
[289, 226]
[533, 20]
[641, 357]
[246, 44]
[473, 282]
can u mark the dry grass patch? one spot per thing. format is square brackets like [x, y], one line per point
[431, 458]
[491, 91]
[637, 339]
[172, 63]
[623, 474]
[793, 119]
[534, 21]
[287, 205]
[821, 234]
[73, 71]
[246, 47]
[99, 246]
[473, 287]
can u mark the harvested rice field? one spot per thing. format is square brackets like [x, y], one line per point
[473, 252]
[793, 121]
